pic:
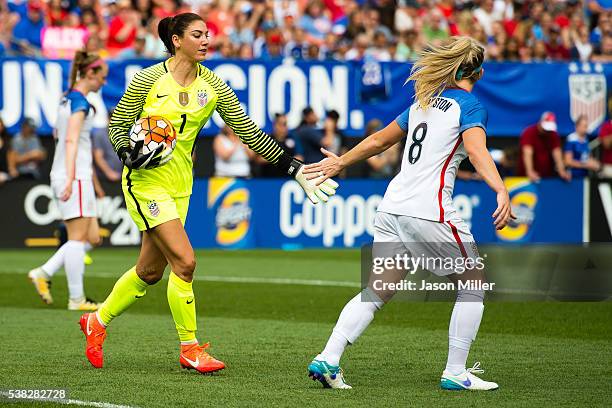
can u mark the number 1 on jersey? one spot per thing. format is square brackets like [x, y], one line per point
[184, 117]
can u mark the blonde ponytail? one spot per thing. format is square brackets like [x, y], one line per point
[442, 66]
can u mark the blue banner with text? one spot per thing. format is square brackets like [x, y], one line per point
[514, 94]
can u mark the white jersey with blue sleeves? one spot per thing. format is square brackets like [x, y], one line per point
[73, 102]
[424, 186]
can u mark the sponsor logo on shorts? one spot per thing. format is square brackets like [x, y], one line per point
[153, 208]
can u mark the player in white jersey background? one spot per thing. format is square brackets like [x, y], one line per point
[445, 124]
[72, 182]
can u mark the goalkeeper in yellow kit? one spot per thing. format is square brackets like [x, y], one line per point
[157, 185]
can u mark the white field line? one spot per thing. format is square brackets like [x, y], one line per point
[67, 401]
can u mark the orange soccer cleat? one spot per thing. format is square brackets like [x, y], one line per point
[193, 357]
[95, 334]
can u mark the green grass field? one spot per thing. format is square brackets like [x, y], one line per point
[267, 327]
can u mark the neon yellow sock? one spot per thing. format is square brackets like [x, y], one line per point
[182, 305]
[126, 291]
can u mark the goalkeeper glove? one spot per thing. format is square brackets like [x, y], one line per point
[315, 193]
[134, 159]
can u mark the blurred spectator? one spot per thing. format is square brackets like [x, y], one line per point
[597, 8]
[154, 47]
[145, 9]
[27, 33]
[526, 54]
[505, 160]
[283, 9]
[296, 47]
[380, 48]
[540, 53]
[225, 49]
[135, 51]
[273, 48]
[243, 31]
[329, 47]
[108, 165]
[435, 28]
[486, 16]
[407, 47]
[355, 24]
[604, 52]
[385, 12]
[555, 48]
[7, 156]
[511, 51]
[315, 22]
[245, 52]
[605, 140]
[599, 28]
[333, 139]
[358, 52]
[405, 17]
[231, 156]
[56, 13]
[28, 150]
[280, 132]
[540, 153]
[576, 152]
[372, 25]
[313, 52]
[383, 165]
[309, 136]
[222, 15]
[582, 49]
[122, 28]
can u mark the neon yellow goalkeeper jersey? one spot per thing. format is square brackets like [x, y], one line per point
[153, 91]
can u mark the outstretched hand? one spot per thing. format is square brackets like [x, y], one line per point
[503, 214]
[329, 167]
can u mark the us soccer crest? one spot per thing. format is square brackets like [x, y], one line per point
[202, 98]
[153, 208]
[587, 86]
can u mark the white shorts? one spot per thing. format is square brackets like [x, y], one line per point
[427, 239]
[82, 201]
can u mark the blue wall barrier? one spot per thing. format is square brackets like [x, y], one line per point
[514, 94]
[237, 213]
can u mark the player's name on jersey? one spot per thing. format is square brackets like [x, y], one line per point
[408, 285]
[442, 103]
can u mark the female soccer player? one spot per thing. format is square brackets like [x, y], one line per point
[187, 94]
[72, 182]
[416, 215]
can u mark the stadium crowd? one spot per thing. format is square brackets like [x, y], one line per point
[384, 30]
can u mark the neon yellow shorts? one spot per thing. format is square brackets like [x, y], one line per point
[150, 205]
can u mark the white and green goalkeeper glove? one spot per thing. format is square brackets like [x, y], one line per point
[314, 192]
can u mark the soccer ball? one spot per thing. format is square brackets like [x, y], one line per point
[153, 131]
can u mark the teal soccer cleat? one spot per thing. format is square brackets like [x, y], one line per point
[330, 376]
[466, 381]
